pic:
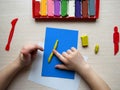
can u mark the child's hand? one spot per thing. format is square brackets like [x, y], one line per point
[72, 60]
[28, 54]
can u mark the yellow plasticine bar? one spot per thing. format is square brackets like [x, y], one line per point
[56, 44]
[84, 39]
[43, 8]
[51, 55]
[96, 48]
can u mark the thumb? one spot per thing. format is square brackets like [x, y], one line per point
[61, 66]
[25, 55]
[24, 52]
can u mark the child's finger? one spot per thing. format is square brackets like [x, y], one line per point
[34, 52]
[61, 66]
[30, 48]
[34, 47]
[73, 49]
[34, 56]
[69, 51]
[40, 48]
[64, 60]
[64, 54]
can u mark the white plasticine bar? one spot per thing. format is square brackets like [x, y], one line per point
[71, 8]
[37, 0]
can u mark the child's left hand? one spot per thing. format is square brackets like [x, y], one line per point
[28, 54]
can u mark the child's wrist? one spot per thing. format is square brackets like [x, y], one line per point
[19, 62]
[83, 68]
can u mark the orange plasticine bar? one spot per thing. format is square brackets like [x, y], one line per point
[43, 8]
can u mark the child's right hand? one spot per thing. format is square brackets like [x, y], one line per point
[72, 60]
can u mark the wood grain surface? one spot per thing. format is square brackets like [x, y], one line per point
[29, 31]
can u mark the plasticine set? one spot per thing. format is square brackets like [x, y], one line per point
[65, 9]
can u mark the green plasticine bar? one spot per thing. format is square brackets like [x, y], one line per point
[64, 6]
[51, 55]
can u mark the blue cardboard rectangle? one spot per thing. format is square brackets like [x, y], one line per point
[67, 39]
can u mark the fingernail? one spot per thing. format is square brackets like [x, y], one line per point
[56, 66]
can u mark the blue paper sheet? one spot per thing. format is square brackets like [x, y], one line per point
[67, 39]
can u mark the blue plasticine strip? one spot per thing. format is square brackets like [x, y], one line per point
[77, 8]
[91, 7]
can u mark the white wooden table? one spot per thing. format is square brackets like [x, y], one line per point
[28, 31]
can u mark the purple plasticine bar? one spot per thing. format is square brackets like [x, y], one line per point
[57, 8]
[78, 8]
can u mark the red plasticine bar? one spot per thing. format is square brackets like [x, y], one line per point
[97, 8]
[13, 22]
[36, 8]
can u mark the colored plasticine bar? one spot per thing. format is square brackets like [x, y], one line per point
[96, 48]
[71, 8]
[77, 8]
[50, 8]
[85, 8]
[91, 7]
[37, 9]
[84, 39]
[57, 7]
[51, 55]
[97, 6]
[43, 8]
[64, 6]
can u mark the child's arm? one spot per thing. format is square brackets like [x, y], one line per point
[73, 60]
[28, 53]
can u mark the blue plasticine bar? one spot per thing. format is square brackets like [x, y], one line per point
[78, 8]
[91, 7]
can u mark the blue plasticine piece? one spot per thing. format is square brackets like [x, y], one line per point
[91, 7]
[78, 8]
